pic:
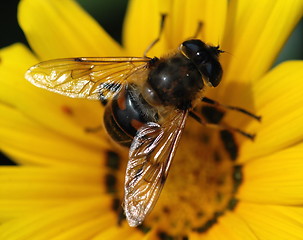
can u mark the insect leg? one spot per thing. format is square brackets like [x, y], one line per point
[163, 16]
[93, 129]
[198, 30]
[238, 109]
[220, 126]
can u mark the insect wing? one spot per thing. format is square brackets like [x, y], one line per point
[86, 77]
[150, 157]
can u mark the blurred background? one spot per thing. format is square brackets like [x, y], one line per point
[110, 15]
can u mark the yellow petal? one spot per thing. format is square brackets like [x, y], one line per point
[25, 183]
[143, 23]
[229, 227]
[272, 222]
[56, 222]
[275, 179]
[255, 33]
[141, 27]
[30, 190]
[87, 229]
[278, 98]
[28, 142]
[184, 17]
[236, 227]
[64, 115]
[61, 28]
[12, 208]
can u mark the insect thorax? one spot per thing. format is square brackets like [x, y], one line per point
[176, 81]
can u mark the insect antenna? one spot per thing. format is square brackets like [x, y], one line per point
[163, 17]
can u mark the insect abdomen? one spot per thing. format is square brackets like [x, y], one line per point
[126, 113]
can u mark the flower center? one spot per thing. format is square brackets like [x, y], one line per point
[201, 184]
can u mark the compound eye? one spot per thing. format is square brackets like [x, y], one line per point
[212, 72]
[192, 48]
[201, 57]
[205, 58]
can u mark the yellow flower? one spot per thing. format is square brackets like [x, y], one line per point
[68, 184]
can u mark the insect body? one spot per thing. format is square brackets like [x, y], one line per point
[147, 102]
[126, 114]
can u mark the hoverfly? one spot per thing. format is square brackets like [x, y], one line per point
[147, 101]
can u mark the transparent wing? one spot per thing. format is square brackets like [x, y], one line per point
[86, 77]
[150, 157]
